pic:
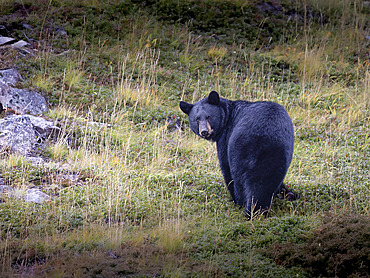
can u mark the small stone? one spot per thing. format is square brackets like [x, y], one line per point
[35, 195]
[6, 40]
[20, 44]
[5, 189]
[27, 26]
[35, 160]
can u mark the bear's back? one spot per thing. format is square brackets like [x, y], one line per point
[253, 121]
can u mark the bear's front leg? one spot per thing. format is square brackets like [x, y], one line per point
[225, 169]
[228, 181]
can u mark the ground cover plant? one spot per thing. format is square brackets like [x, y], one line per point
[148, 199]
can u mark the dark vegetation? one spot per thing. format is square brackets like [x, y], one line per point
[339, 247]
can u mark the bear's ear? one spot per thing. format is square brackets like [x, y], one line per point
[213, 98]
[186, 107]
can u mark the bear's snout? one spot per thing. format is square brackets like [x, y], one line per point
[205, 129]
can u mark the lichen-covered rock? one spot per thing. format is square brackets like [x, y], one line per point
[9, 77]
[23, 133]
[22, 101]
[17, 134]
[43, 127]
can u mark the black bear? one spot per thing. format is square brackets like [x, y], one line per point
[255, 142]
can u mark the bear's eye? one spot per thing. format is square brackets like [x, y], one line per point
[208, 117]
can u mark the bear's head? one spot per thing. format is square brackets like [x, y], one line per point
[205, 116]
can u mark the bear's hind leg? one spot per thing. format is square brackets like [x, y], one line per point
[256, 202]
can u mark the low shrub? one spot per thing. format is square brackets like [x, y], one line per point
[339, 247]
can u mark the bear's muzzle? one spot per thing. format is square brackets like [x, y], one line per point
[205, 129]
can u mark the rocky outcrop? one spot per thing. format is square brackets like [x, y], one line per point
[17, 135]
[23, 131]
[22, 101]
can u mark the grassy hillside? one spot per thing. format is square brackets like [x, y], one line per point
[132, 197]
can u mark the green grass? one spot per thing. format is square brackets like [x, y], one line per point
[151, 202]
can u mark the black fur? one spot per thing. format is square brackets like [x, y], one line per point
[255, 142]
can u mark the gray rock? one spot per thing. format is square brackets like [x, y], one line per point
[20, 44]
[17, 133]
[32, 195]
[35, 160]
[43, 128]
[9, 77]
[5, 189]
[23, 133]
[20, 100]
[35, 195]
[14, 43]
[6, 41]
